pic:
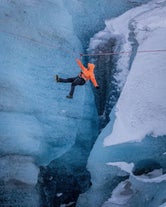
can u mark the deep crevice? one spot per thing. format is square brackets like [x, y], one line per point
[64, 178]
[106, 68]
[145, 166]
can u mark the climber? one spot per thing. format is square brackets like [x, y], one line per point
[85, 75]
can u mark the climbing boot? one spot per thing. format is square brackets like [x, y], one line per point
[69, 96]
[57, 78]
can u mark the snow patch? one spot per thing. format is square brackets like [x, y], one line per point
[120, 195]
[141, 108]
[127, 167]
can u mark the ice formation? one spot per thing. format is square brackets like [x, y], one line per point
[46, 139]
[136, 131]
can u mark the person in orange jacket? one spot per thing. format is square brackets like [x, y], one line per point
[85, 75]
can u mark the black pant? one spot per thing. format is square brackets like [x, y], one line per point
[74, 82]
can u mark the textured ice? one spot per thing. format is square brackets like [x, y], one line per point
[144, 92]
[136, 131]
[20, 168]
[34, 44]
[39, 39]
[37, 122]
[128, 167]
[18, 178]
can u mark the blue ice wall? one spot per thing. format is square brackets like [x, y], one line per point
[37, 122]
[140, 188]
[131, 172]
[34, 50]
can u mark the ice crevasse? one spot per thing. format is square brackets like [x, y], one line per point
[37, 123]
[36, 118]
[128, 160]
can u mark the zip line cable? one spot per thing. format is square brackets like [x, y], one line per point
[81, 55]
[124, 52]
[31, 39]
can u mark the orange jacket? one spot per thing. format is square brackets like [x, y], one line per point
[87, 73]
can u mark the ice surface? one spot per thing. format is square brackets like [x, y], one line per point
[18, 178]
[143, 100]
[163, 205]
[37, 44]
[39, 39]
[34, 44]
[136, 131]
[123, 194]
[20, 168]
[119, 195]
[123, 166]
[37, 122]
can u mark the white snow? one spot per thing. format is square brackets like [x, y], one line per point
[59, 194]
[120, 195]
[128, 167]
[163, 205]
[68, 204]
[154, 176]
[141, 108]
[124, 190]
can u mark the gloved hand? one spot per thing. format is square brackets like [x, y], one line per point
[97, 87]
[77, 60]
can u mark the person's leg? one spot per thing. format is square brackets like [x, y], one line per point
[66, 80]
[77, 81]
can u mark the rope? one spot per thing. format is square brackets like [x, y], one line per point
[28, 38]
[124, 52]
[31, 39]
[81, 55]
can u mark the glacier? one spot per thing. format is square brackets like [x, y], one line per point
[127, 162]
[46, 139]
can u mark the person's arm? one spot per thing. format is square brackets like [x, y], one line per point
[80, 65]
[94, 81]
